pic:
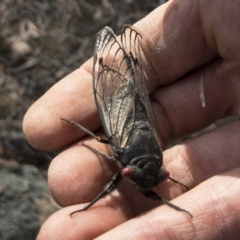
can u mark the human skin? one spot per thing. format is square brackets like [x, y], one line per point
[182, 41]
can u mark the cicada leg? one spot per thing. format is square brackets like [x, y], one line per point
[107, 189]
[99, 139]
[154, 196]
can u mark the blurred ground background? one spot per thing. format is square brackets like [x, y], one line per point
[41, 41]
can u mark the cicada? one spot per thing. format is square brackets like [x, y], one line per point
[124, 107]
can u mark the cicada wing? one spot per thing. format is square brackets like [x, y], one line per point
[119, 84]
[114, 85]
[130, 39]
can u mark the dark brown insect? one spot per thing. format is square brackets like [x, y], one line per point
[124, 107]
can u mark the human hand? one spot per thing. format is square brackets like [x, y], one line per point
[195, 37]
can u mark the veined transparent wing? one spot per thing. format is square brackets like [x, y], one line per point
[131, 42]
[118, 82]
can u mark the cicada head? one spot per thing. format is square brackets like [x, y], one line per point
[145, 172]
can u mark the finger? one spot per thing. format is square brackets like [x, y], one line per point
[178, 109]
[85, 225]
[172, 108]
[71, 98]
[207, 155]
[215, 209]
[213, 203]
[78, 175]
[180, 37]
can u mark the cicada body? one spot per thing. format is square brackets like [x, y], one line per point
[124, 107]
